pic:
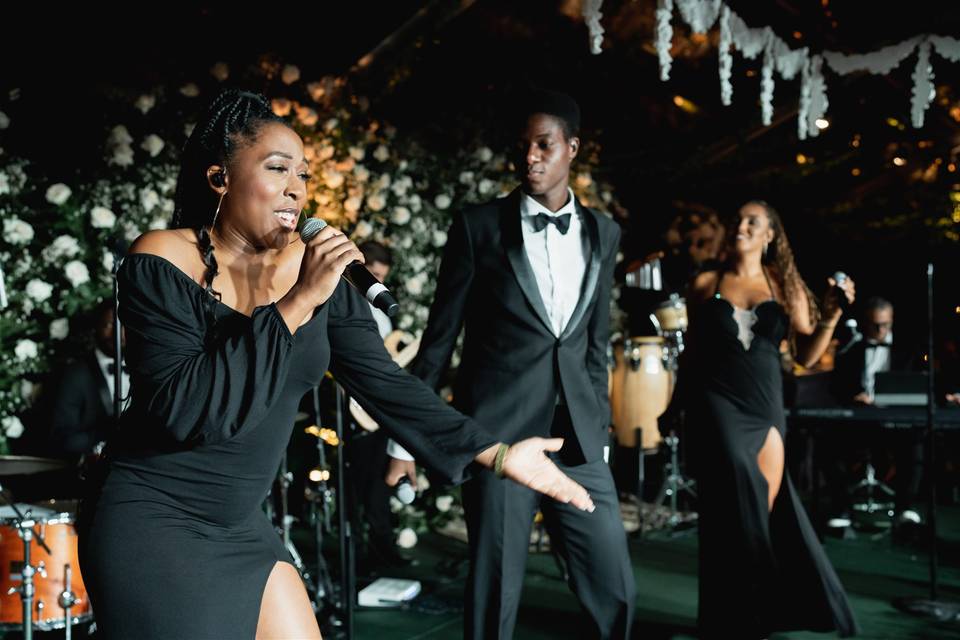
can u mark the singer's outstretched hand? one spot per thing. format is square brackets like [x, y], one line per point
[526, 463]
[833, 299]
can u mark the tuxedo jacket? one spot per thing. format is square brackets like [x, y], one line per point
[81, 408]
[850, 363]
[513, 369]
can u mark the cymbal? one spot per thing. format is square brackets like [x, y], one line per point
[24, 465]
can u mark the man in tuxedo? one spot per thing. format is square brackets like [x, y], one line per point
[856, 366]
[81, 409]
[529, 277]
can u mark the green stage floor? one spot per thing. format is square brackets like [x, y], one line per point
[873, 571]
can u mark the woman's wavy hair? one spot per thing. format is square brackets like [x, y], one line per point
[233, 120]
[779, 262]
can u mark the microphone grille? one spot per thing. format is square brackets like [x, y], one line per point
[839, 276]
[310, 228]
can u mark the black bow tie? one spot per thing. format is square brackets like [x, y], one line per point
[112, 369]
[541, 220]
[878, 345]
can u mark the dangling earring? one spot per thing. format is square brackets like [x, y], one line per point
[220, 202]
[764, 249]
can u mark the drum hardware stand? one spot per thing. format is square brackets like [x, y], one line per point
[66, 600]
[674, 482]
[284, 480]
[871, 484]
[24, 525]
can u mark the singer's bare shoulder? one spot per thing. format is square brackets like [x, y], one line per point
[177, 246]
[703, 285]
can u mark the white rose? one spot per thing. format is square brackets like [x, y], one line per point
[439, 238]
[361, 173]
[190, 90]
[332, 178]
[77, 273]
[419, 226]
[4, 183]
[417, 263]
[383, 181]
[363, 229]
[444, 503]
[407, 539]
[29, 391]
[25, 349]
[62, 246]
[144, 103]
[442, 201]
[4, 120]
[316, 91]
[220, 71]
[39, 290]
[290, 74]
[376, 202]
[357, 153]
[330, 125]
[122, 156]
[406, 243]
[406, 321]
[395, 505]
[119, 136]
[415, 203]
[414, 286]
[102, 218]
[58, 193]
[157, 223]
[307, 116]
[16, 231]
[485, 186]
[584, 180]
[466, 177]
[59, 329]
[281, 106]
[167, 205]
[352, 204]
[13, 428]
[401, 215]
[152, 144]
[149, 199]
[326, 152]
[484, 154]
[131, 232]
[381, 153]
[106, 261]
[422, 483]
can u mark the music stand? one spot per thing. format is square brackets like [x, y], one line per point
[931, 607]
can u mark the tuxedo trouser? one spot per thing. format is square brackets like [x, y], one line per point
[499, 515]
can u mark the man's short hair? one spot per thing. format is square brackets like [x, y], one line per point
[374, 251]
[553, 103]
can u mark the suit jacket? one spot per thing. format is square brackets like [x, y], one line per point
[513, 367]
[849, 365]
[81, 408]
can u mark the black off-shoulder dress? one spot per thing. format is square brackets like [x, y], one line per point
[173, 540]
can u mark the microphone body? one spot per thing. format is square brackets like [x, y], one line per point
[404, 491]
[356, 274]
[840, 278]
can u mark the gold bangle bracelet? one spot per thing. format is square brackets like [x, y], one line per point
[501, 457]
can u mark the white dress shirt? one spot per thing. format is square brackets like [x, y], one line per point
[105, 361]
[875, 360]
[559, 260]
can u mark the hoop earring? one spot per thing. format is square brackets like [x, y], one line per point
[220, 202]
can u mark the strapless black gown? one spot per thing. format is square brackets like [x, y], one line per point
[760, 571]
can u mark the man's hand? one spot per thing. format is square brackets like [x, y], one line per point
[397, 468]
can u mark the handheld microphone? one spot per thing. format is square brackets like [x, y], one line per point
[357, 274]
[840, 277]
[404, 491]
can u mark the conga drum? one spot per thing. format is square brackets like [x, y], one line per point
[672, 314]
[640, 391]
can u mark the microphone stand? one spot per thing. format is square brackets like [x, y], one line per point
[347, 586]
[931, 607]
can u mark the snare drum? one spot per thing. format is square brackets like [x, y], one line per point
[55, 523]
[640, 390]
[672, 314]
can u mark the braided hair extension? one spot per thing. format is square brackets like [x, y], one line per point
[232, 121]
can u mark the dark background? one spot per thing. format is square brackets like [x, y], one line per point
[451, 75]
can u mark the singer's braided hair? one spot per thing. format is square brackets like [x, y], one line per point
[233, 120]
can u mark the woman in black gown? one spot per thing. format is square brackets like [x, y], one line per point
[229, 321]
[762, 568]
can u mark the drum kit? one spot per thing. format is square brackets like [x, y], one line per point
[644, 370]
[40, 583]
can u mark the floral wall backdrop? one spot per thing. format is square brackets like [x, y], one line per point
[60, 240]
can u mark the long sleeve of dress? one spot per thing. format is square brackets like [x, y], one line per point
[440, 437]
[200, 391]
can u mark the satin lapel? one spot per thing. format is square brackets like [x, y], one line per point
[512, 237]
[593, 270]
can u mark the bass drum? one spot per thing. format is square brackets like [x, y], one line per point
[640, 390]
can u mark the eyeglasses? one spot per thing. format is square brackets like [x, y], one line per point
[880, 325]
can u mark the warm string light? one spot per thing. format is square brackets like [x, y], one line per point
[329, 436]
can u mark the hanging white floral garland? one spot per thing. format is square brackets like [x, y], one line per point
[664, 37]
[591, 15]
[726, 58]
[699, 14]
[923, 89]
